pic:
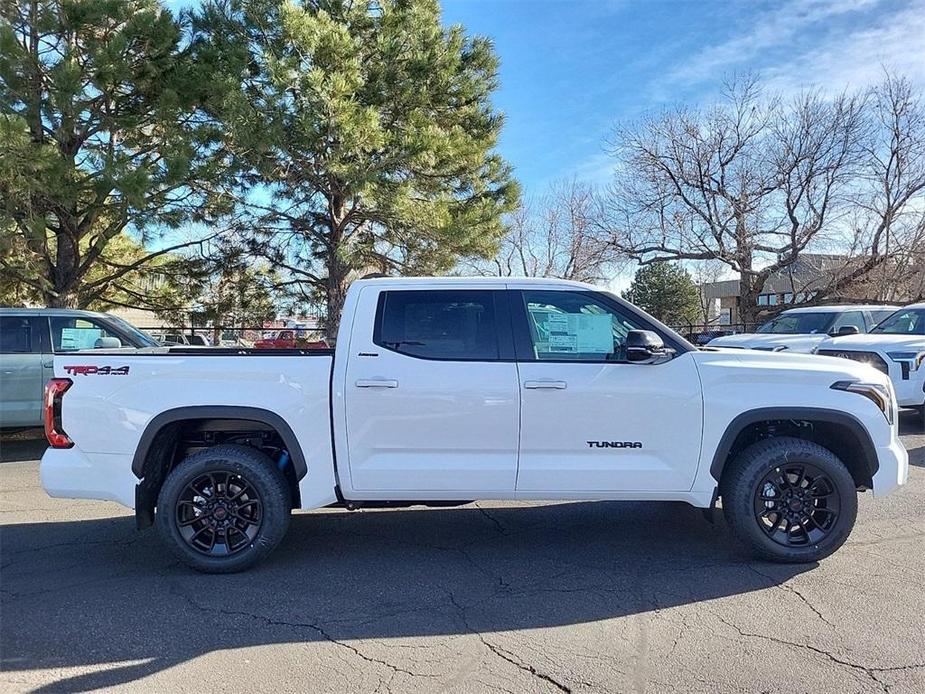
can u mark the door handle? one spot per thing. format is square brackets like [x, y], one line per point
[48, 364]
[545, 385]
[377, 383]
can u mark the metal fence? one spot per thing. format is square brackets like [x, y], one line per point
[238, 336]
[702, 333]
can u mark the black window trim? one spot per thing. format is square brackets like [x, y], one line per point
[523, 342]
[502, 319]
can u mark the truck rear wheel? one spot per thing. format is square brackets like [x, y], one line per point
[789, 500]
[223, 509]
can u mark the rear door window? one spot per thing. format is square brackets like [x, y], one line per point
[18, 335]
[454, 325]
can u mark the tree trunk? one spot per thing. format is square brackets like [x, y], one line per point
[63, 292]
[335, 294]
[748, 300]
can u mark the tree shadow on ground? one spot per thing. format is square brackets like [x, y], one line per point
[90, 593]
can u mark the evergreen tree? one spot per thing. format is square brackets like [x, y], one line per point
[667, 292]
[363, 136]
[100, 135]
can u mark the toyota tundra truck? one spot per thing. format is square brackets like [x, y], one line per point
[452, 390]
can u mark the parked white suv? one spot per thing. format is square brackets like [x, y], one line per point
[895, 347]
[445, 391]
[802, 329]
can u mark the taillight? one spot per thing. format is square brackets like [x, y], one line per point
[54, 391]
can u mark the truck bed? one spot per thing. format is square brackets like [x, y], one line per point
[116, 394]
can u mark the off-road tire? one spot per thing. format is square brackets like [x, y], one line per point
[744, 483]
[267, 484]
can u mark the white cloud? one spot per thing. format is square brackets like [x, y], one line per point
[767, 31]
[894, 41]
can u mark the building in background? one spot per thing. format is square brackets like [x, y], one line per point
[801, 282]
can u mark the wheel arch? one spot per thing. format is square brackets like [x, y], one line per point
[157, 447]
[838, 431]
[234, 412]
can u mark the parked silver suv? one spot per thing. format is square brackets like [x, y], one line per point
[30, 337]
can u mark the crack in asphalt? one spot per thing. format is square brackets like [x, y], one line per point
[121, 542]
[870, 671]
[269, 621]
[501, 529]
[783, 585]
[503, 653]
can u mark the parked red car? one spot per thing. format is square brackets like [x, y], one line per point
[289, 339]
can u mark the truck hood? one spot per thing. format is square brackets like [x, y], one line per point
[768, 341]
[873, 342]
[781, 367]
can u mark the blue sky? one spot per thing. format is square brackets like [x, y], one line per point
[571, 69]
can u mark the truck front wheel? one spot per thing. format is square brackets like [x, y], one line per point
[223, 509]
[789, 500]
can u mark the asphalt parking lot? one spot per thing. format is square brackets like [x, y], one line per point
[566, 597]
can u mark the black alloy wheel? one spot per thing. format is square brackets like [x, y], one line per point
[219, 513]
[223, 509]
[796, 505]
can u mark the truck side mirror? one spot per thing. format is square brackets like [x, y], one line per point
[845, 330]
[646, 347]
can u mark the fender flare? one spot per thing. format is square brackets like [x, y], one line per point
[810, 414]
[179, 414]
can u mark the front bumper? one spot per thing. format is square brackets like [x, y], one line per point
[894, 468]
[910, 392]
[72, 474]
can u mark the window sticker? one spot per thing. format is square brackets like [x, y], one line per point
[80, 338]
[575, 333]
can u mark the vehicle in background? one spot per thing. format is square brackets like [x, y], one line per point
[29, 339]
[445, 391]
[802, 329]
[290, 339]
[234, 338]
[703, 337]
[179, 338]
[895, 347]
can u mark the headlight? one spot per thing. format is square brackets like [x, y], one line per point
[914, 359]
[877, 393]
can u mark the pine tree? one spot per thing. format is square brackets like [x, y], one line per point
[363, 134]
[100, 137]
[666, 291]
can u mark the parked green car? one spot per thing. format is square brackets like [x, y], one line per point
[30, 337]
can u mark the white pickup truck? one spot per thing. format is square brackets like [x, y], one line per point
[446, 391]
[897, 348]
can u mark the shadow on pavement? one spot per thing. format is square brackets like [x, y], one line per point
[89, 593]
[910, 426]
[22, 446]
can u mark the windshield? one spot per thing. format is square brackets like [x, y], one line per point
[798, 324]
[903, 322]
[142, 339]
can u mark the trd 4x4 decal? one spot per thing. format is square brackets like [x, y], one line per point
[96, 370]
[614, 444]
